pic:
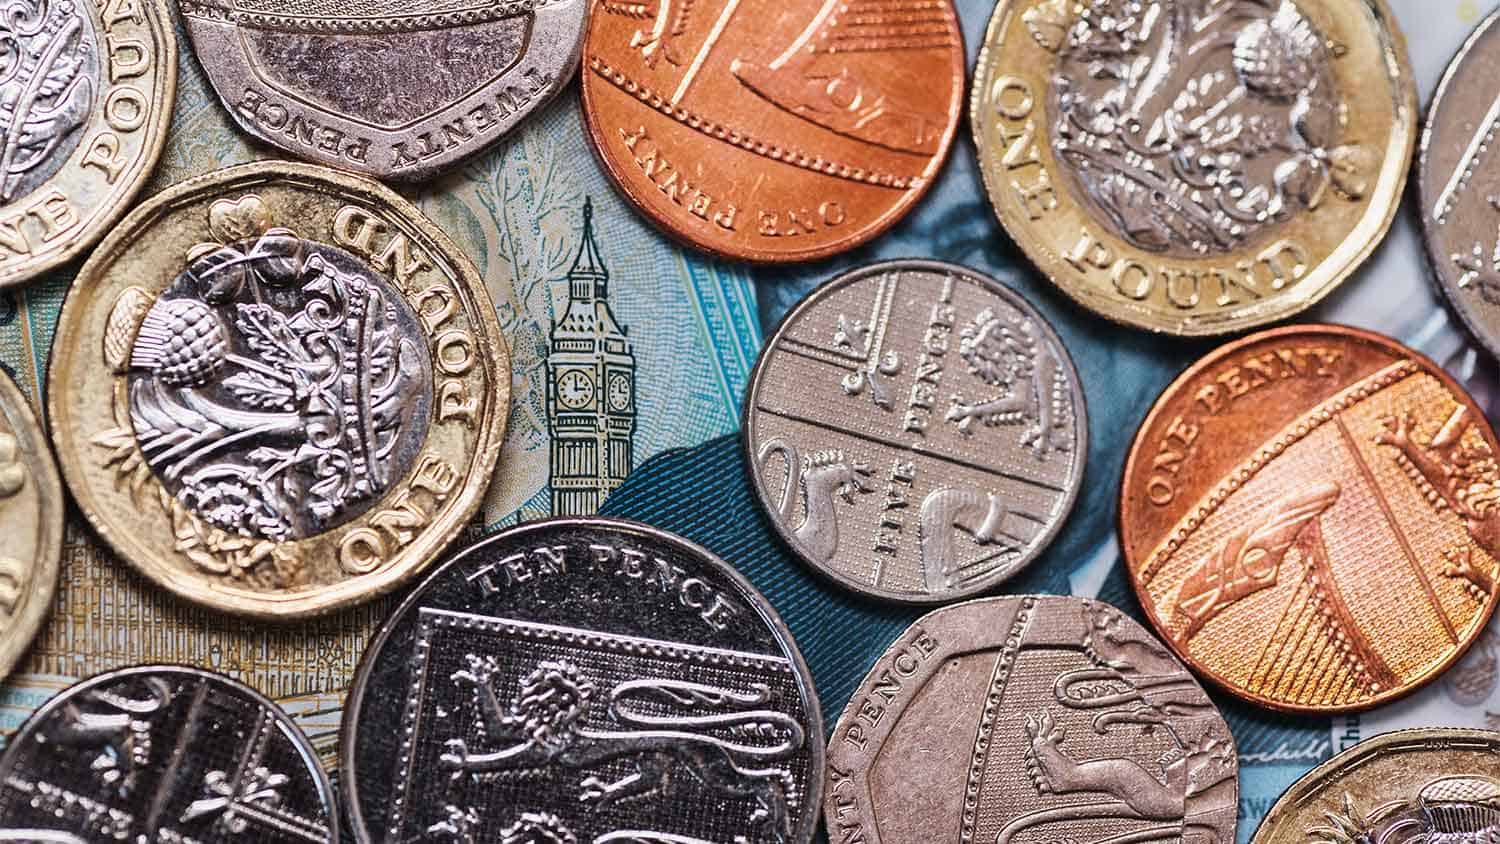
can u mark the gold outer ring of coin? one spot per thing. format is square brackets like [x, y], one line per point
[115, 148]
[31, 525]
[1354, 182]
[408, 524]
[1424, 757]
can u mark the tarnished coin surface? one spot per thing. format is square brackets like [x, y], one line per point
[391, 88]
[1034, 718]
[1404, 787]
[773, 130]
[583, 680]
[86, 93]
[285, 389]
[915, 431]
[1191, 167]
[1459, 184]
[163, 753]
[31, 525]
[1311, 518]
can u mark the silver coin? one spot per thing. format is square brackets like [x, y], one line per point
[583, 680]
[390, 88]
[163, 753]
[1458, 183]
[916, 431]
[1036, 718]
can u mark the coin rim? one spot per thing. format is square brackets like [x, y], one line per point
[36, 453]
[1054, 270]
[860, 273]
[1136, 455]
[109, 214]
[354, 699]
[294, 733]
[437, 536]
[597, 136]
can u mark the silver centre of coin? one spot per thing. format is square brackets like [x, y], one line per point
[49, 74]
[279, 386]
[163, 753]
[1193, 127]
[916, 431]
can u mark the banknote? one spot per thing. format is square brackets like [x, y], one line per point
[670, 334]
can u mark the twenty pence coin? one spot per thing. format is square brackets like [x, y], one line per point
[88, 88]
[571, 678]
[773, 131]
[163, 753]
[31, 525]
[1403, 786]
[1035, 718]
[1309, 516]
[916, 431]
[284, 390]
[1194, 168]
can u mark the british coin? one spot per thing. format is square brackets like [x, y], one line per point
[1032, 718]
[31, 525]
[583, 679]
[916, 431]
[1404, 786]
[86, 93]
[285, 390]
[163, 753]
[389, 88]
[1308, 517]
[1459, 192]
[1194, 168]
[768, 131]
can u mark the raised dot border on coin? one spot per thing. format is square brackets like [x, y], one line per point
[27, 469]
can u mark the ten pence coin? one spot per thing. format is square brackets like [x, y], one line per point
[916, 431]
[391, 88]
[31, 525]
[284, 390]
[1034, 718]
[583, 680]
[87, 90]
[766, 130]
[1189, 167]
[1405, 786]
[163, 753]
[1311, 518]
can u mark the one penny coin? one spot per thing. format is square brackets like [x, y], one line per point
[284, 390]
[773, 131]
[915, 431]
[1189, 167]
[1311, 518]
[1030, 719]
[31, 525]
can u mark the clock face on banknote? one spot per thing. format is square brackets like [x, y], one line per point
[285, 392]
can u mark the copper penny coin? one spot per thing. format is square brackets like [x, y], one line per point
[1459, 184]
[773, 131]
[1033, 718]
[1405, 786]
[1310, 518]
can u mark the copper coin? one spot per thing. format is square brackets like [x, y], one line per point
[1030, 719]
[1311, 518]
[773, 131]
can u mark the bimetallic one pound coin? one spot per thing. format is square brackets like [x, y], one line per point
[583, 680]
[390, 88]
[163, 754]
[916, 431]
[1408, 786]
[31, 525]
[283, 391]
[1038, 718]
[1311, 518]
[773, 130]
[86, 93]
[1194, 168]
[1459, 184]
